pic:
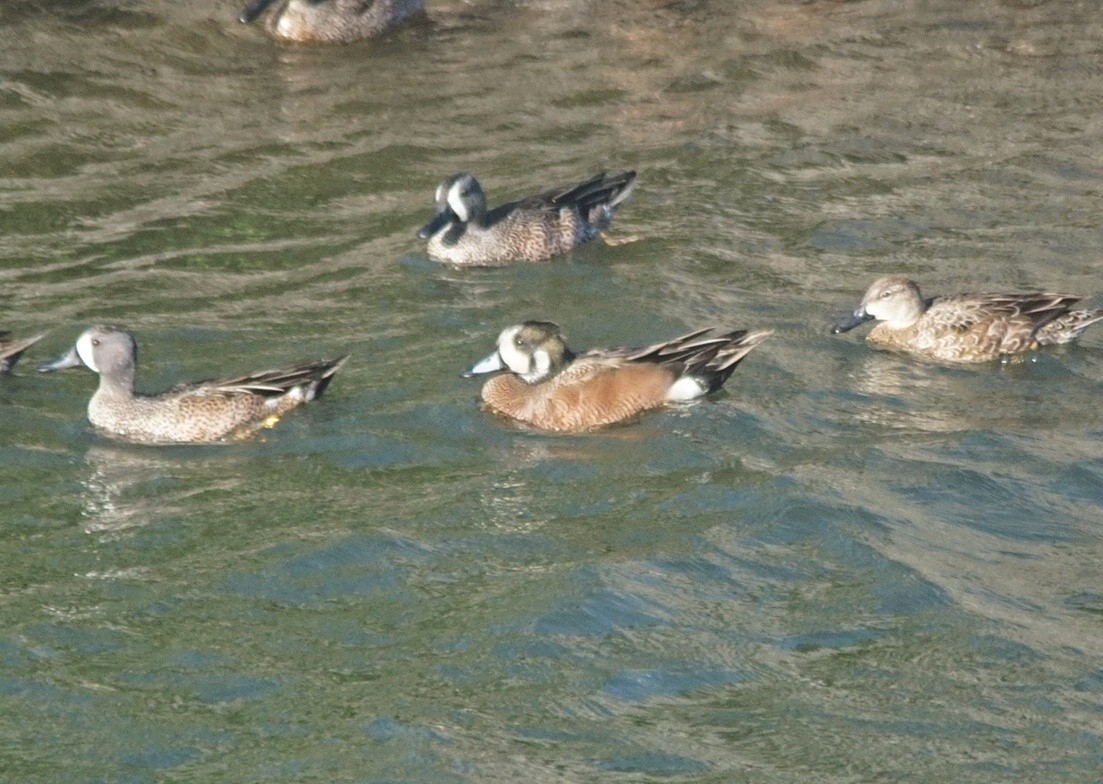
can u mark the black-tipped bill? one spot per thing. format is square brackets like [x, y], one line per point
[850, 322]
[438, 222]
[70, 359]
[491, 364]
[253, 10]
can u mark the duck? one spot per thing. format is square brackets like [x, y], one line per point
[208, 411]
[329, 21]
[11, 349]
[463, 232]
[545, 385]
[966, 327]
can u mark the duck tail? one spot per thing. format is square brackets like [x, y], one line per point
[1067, 327]
[736, 345]
[11, 351]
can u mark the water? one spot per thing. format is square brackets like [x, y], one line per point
[850, 566]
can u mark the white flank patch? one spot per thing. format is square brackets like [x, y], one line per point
[686, 388]
[84, 351]
[455, 201]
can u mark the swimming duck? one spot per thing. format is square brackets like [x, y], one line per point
[548, 386]
[966, 327]
[329, 21]
[12, 350]
[463, 231]
[200, 412]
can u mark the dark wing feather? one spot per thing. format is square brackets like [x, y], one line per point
[584, 196]
[270, 382]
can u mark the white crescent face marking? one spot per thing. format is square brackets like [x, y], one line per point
[512, 357]
[84, 351]
[455, 201]
[440, 193]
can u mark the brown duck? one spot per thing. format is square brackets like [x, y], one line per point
[551, 388]
[966, 327]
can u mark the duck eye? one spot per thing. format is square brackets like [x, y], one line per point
[95, 341]
[886, 294]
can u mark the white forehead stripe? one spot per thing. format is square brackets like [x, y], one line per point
[84, 351]
[456, 202]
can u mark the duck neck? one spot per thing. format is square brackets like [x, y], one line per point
[118, 385]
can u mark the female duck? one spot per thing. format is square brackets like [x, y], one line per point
[966, 327]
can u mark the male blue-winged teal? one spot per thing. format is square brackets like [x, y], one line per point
[12, 350]
[463, 231]
[329, 21]
[201, 412]
[966, 327]
[551, 388]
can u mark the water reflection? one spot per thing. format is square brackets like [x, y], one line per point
[126, 487]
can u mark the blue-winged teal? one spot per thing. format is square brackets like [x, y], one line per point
[966, 327]
[329, 21]
[204, 411]
[463, 231]
[12, 350]
[551, 388]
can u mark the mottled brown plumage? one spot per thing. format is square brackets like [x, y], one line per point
[329, 21]
[11, 350]
[551, 388]
[966, 327]
[463, 231]
[200, 412]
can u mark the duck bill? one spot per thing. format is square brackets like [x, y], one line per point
[70, 359]
[438, 222]
[253, 10]
[850, 322]
[491, 364]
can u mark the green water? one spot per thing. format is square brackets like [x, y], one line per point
[847, 567]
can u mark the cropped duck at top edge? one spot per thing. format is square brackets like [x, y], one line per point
[200, 412]
[329, 21]
[548, 386]
[11, 349]
[463, 231]
[966, 327]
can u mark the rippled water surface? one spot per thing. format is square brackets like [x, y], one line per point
[847, 567]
